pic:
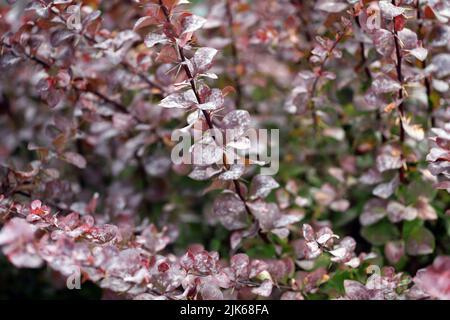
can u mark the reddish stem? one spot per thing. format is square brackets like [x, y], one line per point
[424, 65]
[401, 107]
[208, 119]
[320, 71]
[234, 55]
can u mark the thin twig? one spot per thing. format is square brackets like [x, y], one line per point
[124, 64]
[191, 79]
[363, 63]
[299, 5]
[47, 66]
[424, 65]
[234, 55]
[319, 73]
[362, 48]
[50, 202]
[401, 107]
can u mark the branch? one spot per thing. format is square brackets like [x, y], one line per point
[363, 63]
[312, 95]
[362, 48]
[183, 61]
[234, 54]
[124, 64]
[299, 5]
[401, 108]
[424, 65]
[47, 66]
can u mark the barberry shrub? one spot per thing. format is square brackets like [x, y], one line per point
[92, 92]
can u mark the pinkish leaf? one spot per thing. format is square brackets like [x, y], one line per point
[74, 158]
[230, 210]
[262, 186]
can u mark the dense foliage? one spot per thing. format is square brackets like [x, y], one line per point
[91, 92]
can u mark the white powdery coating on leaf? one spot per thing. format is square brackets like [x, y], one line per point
[308, 232]
[17, 238]
[17, 230]
[383, 41]
[266, 213]
[240, 265]
[235, 172]
[265, 289]
[207, 153]
[385, 84]
[213, 101]
[153, 39]
[230, 210]
[182, 100]
[355, 290]
[238, 120]
[202, 173]
[419, 53]
[398, 212]
[262, 186]
[389, 10]
[203, 58]
[385, 190]
[331, 6]
[192, 23]
[387, 162]
[441, 62]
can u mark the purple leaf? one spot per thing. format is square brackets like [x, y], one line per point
[265, 289]
[385, 190]
[192, 23]
[203, 58]
[262, 186]
[74, 158]
[230, 210]
[385, 84]
[331, 6]
[389, 10]
[183, 100]
[153, 39]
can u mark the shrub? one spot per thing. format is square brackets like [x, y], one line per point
[92, 93]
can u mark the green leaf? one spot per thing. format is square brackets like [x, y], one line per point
[417, 188]
[345, 95]
[340, 220]
[380, 233]
[447, 225]
[409, 227]
[261, 251]
[420, 241]
[335, 285]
